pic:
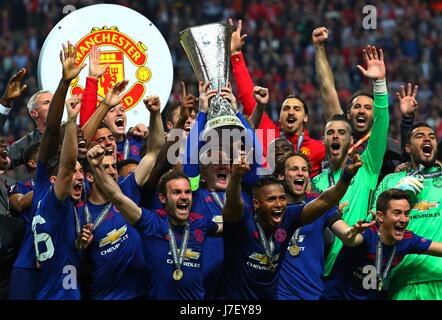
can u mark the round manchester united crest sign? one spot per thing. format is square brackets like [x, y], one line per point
[131, 45]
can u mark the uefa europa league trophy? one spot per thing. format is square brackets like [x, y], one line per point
[208, 49]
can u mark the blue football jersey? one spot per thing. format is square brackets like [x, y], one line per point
[116, 254]
[247, 272]
[130, 188]
[301, 276]
[347, 276]
[135, 144]
[23, 187]
[153, 229]
[213, 258]
[26, 257]
[54, 227]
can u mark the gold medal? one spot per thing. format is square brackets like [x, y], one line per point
[380, 285]
[294, 250]
[177, 275]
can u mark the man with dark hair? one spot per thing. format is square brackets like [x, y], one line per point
[281, 148]
[172, 111]
[105, 138]
[117, 263]
[339, 143]
[56, 225]
[24, 277]
[125, 167]
[293, 117]
[363, 267]
[360, 111]
[419, 277]
[116, 256]
[256, 238]
[172, 237]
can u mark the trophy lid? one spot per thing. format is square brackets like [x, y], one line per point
[208, 49]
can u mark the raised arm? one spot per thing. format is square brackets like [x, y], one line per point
[435, 249]
[242, 77]
[162, 164]
[234, 206]
[89, 101]
[155, 140]
[329, 96]
[50, 140]
[251, 176]
[194, 143]
[351, 236]
[130, 211]
[407, 105]
[20, 202]
[332, 195]
[374, 153]
[113, 98]
[14, 89]
[69, 151]
[261, 96]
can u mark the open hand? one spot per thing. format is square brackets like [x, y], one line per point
[407, 101]
[14, 88]
[375, 64]
[114, 96]
[95, 69]
[67, 58]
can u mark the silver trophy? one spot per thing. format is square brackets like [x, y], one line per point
[208, 49]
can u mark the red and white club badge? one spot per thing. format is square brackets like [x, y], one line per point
[129, 42]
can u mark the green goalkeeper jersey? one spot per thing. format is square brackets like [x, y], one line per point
[426, 221]
[358, 198]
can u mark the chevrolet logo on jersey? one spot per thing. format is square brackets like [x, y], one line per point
[113, 236]
[217, 219]
[190, 254]
[262, 258]
[425, 205]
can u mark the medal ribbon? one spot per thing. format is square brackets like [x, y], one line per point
[295, 237]
[77, 221]
[174, 248]
[419, 170]
[101, 216]
[379, 275]
[218, 200]
[126, 149]
[300, 141]
[268, 244]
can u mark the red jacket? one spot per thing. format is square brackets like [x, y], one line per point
[314, 149]
[89, 100]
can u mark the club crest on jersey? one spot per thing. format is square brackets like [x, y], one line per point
[125, 47]
[280, 235]
[113, 236]
[305, 151]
